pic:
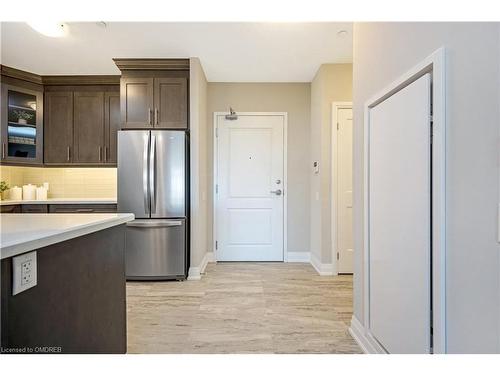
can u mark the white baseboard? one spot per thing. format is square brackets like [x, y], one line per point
[196, 272]
[367, 343]
[210, 258]
[298, 257]
[323, 269]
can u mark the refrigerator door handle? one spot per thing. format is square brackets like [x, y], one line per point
[154, 224]
[152, 173]
[145, 174]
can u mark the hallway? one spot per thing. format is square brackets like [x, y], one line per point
[243, 308]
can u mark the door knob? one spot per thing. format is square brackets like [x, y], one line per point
[277, 192]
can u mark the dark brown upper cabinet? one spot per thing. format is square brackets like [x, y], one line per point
[58, 127]
[59, 120]
[88, 127]
[154, 93]
[137, 102]
[154, 102]
[81, 125]
[111, 125]
[170, 96]
[22, 125]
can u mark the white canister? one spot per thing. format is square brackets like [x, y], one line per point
[16, 193]
[29, 192]
[46, 186]
[41, 193]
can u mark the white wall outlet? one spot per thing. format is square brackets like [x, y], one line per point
[24, 272]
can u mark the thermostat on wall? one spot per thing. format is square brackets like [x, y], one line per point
[316, 167]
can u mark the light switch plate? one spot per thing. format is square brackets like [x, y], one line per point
[24, 272]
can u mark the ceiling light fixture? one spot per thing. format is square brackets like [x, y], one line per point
[51, 29]
[342, 33]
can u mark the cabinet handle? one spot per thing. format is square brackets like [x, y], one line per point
[68, 153]
[149, 116]
[105, 153]
[156, 116]
[100, 158]
[84, 210]
[3, 150]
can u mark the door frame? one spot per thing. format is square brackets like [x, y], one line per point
[435, 65]
[285, 175]
[334, 181]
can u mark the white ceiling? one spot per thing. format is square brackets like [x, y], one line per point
[229, 52]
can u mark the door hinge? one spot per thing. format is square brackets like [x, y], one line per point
[337, 126]
[338, 255]
[216, 245]
[216, 132]
[216, 188]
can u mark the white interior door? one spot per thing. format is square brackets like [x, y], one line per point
[400, 220]
[250, 188]
[344, 191]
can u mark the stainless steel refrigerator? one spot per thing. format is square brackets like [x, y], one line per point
[152, 170]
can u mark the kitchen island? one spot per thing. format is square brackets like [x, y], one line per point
[78, 302]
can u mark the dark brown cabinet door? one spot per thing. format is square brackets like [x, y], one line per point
[171, 101]
[82, 208]
[136, 102]
[34, 209]
[22, 125]
[88, 127]
[10, 209]
[111, 125]
[58, 145]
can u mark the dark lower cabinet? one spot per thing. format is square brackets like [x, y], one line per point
[58, 208]
[82, 208]
[78, 304]
[34, 209]
[10, 209]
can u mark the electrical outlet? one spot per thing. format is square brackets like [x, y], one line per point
[24, 272]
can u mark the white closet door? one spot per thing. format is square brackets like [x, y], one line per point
[344, 191]
[400, 219]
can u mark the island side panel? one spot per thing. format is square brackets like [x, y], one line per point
[79, 302]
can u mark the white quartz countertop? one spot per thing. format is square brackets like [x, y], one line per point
[61, 201]
[20, 233]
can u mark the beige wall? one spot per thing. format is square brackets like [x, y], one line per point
[293, 98]
[65, 182]
[384, 51]
[198, 150]
[332, 83]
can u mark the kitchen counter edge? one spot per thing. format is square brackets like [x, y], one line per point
[105, 221]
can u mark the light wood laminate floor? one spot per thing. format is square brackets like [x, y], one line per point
[243, 308]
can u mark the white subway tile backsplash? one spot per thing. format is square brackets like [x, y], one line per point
[65, 182]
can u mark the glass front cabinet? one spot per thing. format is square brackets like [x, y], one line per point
[22, 125]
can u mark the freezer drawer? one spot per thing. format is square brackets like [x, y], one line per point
[155, 249]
